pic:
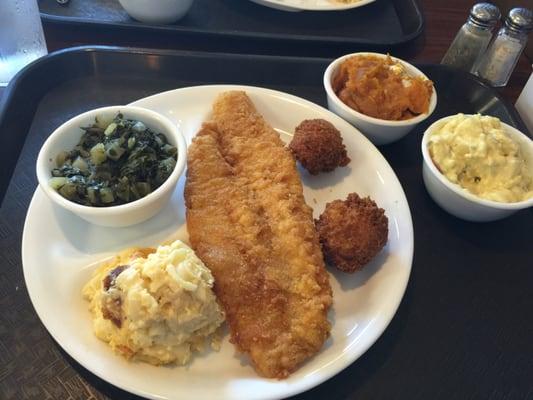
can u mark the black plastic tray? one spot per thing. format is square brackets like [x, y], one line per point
[384, 23]
[463, 328]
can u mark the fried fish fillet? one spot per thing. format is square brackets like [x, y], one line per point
[248, 222]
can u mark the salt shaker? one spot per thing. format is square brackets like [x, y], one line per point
[503, 54]
[473, 38]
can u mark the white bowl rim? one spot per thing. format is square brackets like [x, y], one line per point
[164, 10]
[378, 121]
[44, 154]
[457, 188]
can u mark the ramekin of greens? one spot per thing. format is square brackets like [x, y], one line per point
[112, 166]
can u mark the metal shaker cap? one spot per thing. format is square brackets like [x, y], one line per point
[520, 20]
[485, 15]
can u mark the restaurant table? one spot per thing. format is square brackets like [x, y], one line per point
[442, 21]
[443, 18]
[371, 376]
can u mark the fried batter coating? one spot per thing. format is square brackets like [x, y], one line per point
[248, 221]
[352, 232]
[318, 146]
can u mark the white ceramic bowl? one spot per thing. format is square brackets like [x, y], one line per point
[379, 131]
[156, 11]
[68, 135]
[458, 201]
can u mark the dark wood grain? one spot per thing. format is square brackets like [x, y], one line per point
[443, 20]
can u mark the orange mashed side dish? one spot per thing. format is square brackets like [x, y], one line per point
[381, 88]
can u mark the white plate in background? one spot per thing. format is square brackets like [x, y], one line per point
[312, 5]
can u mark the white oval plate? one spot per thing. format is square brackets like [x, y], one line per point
[60, 252]
[311, 5]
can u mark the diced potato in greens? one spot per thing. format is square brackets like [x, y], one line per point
[61, 158]
[68, 190]
[57, 182]
[106, 195]
[81, 164]
[111, 128]
[115, 162]
[98, 155]
[92, 194]
[114, 151]
[143, 188]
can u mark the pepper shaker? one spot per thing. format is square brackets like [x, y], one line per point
[503, 54]
[473, 38]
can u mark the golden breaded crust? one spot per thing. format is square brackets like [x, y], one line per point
[352, 232]
[318, 146]
[248, 222]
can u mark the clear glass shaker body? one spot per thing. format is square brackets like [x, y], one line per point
[502, 56]
[468, 46]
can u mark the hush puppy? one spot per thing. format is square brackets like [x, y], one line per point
[318, 146]
[352, 232]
